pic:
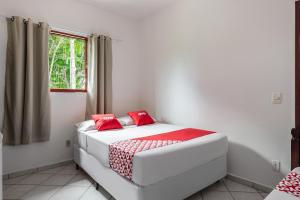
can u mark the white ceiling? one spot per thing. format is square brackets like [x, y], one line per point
[136, 9]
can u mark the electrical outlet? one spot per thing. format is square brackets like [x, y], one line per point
[276, 165]
[276, 98]
[68, 143]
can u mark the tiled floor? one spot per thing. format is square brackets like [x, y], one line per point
[67, 183]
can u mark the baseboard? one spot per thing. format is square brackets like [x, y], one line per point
[249, 183]
[33, 170]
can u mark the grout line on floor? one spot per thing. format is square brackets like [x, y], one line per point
[45, 180]
[228, 189]
[28, 191]
[41, 184]
[35, 185]
[260, 193]
[60, 187]
[84, 192]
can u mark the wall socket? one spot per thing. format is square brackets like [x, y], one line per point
[68, 143]
[276, 98]
[276, 165]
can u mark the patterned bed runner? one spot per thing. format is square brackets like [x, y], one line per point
[121, 153]
[290, 184]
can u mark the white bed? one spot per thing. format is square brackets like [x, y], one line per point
[277, 195]
[154, 170]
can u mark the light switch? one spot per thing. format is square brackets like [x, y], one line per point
[276, 98]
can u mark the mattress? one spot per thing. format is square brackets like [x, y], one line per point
[155, 165]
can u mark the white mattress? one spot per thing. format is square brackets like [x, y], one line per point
[157, 164]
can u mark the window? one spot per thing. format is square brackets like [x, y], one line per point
[67, 62]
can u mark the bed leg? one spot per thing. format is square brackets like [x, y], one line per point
[77, 167]
[97, 186]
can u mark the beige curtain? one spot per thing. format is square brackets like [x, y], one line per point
[27, 103]
[99, 96]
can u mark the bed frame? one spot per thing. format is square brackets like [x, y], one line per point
[174, 188]
[295, 151]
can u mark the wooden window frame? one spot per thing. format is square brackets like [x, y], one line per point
[63, 34]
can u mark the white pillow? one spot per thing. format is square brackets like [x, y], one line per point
[128, 121]
[86, 126]
[125, 121]
[90, 124]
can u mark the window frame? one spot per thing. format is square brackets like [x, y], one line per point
[69, 35]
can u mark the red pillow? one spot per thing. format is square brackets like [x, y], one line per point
[106, 122]
[141, 117]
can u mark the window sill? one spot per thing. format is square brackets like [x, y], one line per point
[68, 90]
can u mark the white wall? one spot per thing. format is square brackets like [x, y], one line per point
[207, 64]
[68, 109]
[214, 65]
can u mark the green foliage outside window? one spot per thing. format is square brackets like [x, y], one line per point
[66, 62]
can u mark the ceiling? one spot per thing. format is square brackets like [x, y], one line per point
[136, 9]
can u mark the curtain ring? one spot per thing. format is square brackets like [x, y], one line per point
[25, 21]
[12, 18]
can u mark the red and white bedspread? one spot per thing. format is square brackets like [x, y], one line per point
[290, 184]
[155, 164]
[121, 153]
[288, 188]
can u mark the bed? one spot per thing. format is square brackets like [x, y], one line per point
[279, 195]
[172, 172]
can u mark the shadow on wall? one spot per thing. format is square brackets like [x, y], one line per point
[241, 156]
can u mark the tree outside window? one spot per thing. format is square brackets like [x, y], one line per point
[67, 62]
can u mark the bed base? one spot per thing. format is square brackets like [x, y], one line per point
[173, 188]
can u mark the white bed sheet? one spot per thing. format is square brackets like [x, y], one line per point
[158, 164]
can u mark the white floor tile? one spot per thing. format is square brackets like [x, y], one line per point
[197, 196]
[5, 187]
[70, 166]
[215, 195]
[218, 186]
[52, 171]
[41, 193]
[69, 171]
[69, 193]
[246, 196]
[237, 187]
[58, 180]
[13, 181]
[17, 191]
[35, 179]
[93, 194]
[80, 180]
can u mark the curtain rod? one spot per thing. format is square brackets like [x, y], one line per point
[66, 30]
[79, 33]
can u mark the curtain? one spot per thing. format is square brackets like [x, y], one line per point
[27, 94]
[99, 95]
[3, 44]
